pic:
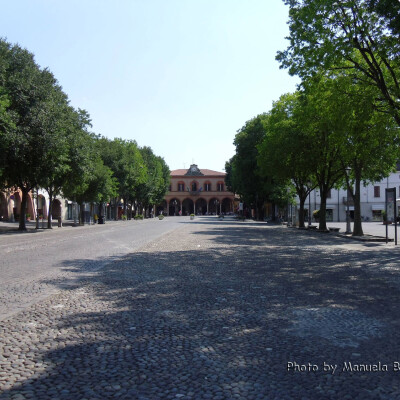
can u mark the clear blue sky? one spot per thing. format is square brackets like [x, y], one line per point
[180, 76]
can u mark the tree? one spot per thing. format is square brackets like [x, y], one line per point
[287, 153]
[160, 178]
[153, 189]
[126, 162]
[389, 10]
[247, 181]
[6, 126]
[100, 185]
[81, 157]
[321, 121]
[243, 175]
[34, 97]
[371, 139]
[351, 35]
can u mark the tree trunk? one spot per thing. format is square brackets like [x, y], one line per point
[124, 207]
[357, 228]
[301, 211]
[322, 212]
[50, 212]
[82, 214]
[22, 214]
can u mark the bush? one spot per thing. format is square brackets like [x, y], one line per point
[139, 216]
[161, 216]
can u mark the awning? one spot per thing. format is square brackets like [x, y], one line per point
[378, 207]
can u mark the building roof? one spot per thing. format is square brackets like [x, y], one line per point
[198, 172]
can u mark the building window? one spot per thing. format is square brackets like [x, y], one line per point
[329, 194]
[194, 186]
[181, 187]
[377, 191]
[220, 187]
[207, 187]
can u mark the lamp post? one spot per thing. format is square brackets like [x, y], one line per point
[348, 227]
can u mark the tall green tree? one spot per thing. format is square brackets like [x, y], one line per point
[34, 96]
[371, 139]
[126, 162]
[6, 126]
[243, 175]
[353, 35]
[288, 153]
[248, 182]
[321, 121]
[82, 156]
[389, 10]
[153, 189]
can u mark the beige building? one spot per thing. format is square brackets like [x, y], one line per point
[197, 191]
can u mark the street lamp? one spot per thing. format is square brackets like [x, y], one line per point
[348, 227]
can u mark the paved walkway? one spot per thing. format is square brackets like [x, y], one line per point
[217, 310]
[369, 228]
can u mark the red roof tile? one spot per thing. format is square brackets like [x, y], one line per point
[206, 172]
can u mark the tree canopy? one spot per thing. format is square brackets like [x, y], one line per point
[355, 35]
[45, 142]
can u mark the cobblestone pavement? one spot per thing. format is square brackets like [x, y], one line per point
[216, 310]
[34, 263]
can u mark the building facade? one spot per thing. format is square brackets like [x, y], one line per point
[37, 204]
[197, 191]
[372, 200]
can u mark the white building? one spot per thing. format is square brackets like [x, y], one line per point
[372, 200]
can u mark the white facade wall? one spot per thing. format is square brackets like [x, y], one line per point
[370, 204]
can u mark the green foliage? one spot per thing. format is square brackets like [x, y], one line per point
[123, 158]
[161, 217]
[352, 36]
[244, 175]
[389, 10]
[279, 154]
[45, 142]
[155, 185]
[34, 145]
[139, 216]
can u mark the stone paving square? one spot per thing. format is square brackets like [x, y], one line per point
[217, 310]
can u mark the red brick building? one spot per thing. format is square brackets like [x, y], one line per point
[197, 191]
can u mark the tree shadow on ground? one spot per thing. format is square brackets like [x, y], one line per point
[220, 322]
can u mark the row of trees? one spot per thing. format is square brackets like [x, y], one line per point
[341, 127]
[45, 142]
